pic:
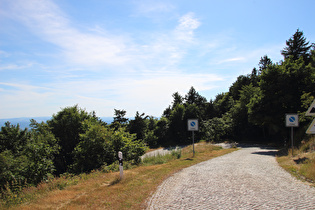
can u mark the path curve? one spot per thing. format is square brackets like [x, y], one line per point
[249, 178]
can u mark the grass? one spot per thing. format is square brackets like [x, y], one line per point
[161, 159]
[302, 163]
[100, 190]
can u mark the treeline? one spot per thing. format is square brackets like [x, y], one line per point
[253, 110]
[73, 141]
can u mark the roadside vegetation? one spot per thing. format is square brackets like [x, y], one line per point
[302, 163]
[103, 189]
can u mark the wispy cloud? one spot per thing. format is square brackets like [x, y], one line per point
[152, 8]
[46, 20]
[185, 29]
[98, 69]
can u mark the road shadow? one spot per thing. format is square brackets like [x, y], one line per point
[267, 153]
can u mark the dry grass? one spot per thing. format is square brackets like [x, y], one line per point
[301, 164]
[107, 191]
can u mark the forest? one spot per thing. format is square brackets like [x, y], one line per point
[253, 111]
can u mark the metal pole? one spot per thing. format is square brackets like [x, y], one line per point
[193, 142]
[292, 139]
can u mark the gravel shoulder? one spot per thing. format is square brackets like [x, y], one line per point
[249, 178]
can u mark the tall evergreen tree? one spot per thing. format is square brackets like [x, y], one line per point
[297, 46]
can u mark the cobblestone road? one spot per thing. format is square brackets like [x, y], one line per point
[249, 178]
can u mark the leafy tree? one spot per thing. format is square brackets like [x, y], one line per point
[177, 99]
[217, 129]
[297, 47]
[99, 146]
[235, 88]
[67, 125]
[32, 160]
[94, 149]
[242, 128]
[281, 89]
[264, 63]
[138, 125]
[167, 112]
[119, 119]
[40, 150]
[193, 97]
[177, 132]
[12, 137]
[223, 103]
[161, 132]
[150, 138]
[131, 147]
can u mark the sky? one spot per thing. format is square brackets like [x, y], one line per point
[133, 55]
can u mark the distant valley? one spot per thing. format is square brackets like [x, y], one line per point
[24, 122]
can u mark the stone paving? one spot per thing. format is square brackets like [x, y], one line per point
[249, 178]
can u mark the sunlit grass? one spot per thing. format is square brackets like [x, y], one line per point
[100, 190]
[302, 163]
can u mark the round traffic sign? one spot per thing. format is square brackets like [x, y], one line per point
[292, 119]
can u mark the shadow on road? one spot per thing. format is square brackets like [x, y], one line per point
[269, 153]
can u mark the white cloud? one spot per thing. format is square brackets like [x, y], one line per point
[151, 94]
[185, 29]
[14, 66]
[236, 59]
[46, 20]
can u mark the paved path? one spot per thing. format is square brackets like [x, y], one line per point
[249, 178]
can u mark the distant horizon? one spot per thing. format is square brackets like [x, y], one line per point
[25, 121]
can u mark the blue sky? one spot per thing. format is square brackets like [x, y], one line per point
[134, 54]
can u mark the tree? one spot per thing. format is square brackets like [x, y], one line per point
[28, 159]
[297, 47]
[223, 103]
[161, 131]
[119, 119]
[120, 116]
[12, 138]
[264, 63]
[67, 125]
[177, 132]
[138, 125]
[177, 99]
[193, 97]
[94, 149]
[99, 146]
[235, 88]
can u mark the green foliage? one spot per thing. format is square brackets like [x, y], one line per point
[67, 125]
[297, 47]
[94, 149]
[100, 145]
[138, 126]
[217, 129]
[32, 161]
[119, 119]
[12, 138]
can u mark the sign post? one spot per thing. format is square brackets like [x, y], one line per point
[121, 168]
[193, 126]
[292, 120]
